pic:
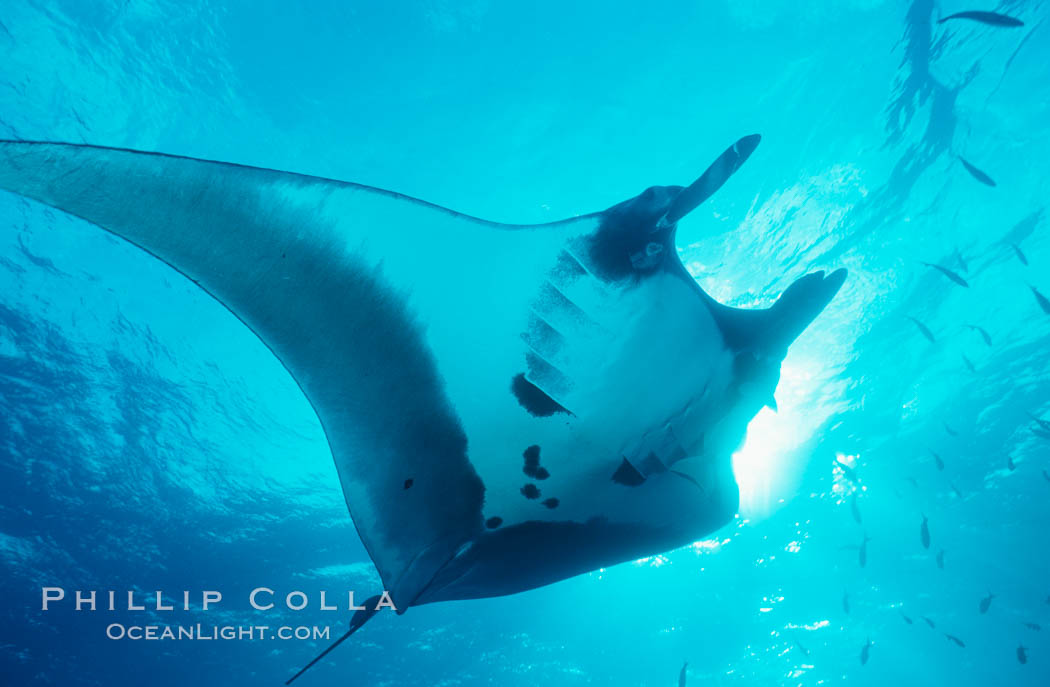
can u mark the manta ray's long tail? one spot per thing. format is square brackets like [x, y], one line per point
[359, 618]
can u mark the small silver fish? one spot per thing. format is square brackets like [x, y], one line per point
[985, 17]
[948, 273]
[923, 329]
[848, 472]
[1041, 300]
[1020, 255]
[977, 174]
[937, 459]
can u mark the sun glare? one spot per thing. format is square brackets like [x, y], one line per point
[765, 466]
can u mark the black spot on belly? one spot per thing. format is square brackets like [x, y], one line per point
[493, 523]
[532, 464]
[531, 398]
[530, 491]
[408, 483]
[627, 475]
[551, 503]
[532, 460]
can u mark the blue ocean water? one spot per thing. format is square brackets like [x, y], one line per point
[149, 441]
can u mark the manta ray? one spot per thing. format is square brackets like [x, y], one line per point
[507, 405]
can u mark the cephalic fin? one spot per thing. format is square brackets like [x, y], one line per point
[771, 331]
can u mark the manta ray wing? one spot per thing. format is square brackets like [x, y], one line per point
[310, 266]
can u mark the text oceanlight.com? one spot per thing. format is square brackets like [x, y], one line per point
[214, 632]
